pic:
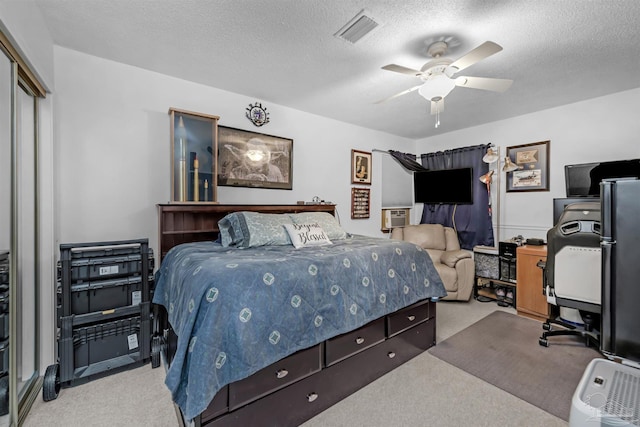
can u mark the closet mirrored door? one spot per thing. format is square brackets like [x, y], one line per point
[26, 274]
[19, 245]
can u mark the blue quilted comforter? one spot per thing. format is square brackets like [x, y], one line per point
[236, 311]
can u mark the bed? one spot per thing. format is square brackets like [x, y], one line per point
[258, 331]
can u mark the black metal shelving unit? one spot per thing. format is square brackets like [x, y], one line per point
[103, 308]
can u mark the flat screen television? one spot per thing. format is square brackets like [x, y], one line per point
[584, 179]
[446, 186]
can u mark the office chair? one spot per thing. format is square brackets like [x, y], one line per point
[572, 273]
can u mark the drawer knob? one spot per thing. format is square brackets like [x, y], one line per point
[359, 340]
[411, 318]
[282, 373]
[391, 355]
[312, 396]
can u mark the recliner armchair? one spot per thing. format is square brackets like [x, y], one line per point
[455, 265]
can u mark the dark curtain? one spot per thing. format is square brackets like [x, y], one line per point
[408, 161]
[472, 222]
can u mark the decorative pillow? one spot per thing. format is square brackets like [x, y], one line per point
[307, 235]
[328, 222]
[250, 229]
[230, 231]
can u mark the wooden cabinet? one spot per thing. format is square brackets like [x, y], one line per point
[531, 300]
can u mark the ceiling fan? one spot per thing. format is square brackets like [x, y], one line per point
[438, 75]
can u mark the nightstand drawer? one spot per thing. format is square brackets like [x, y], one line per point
[345, 345]
[407, 317]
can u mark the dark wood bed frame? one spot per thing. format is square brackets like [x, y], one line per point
[306, 383]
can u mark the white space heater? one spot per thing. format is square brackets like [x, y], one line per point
[608, 395]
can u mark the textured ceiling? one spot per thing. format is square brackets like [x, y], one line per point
[284, 51]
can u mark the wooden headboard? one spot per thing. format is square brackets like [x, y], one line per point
[195, 222]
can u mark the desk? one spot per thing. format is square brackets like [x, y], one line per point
[531, 300]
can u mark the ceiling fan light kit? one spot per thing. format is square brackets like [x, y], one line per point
[439, 87]
[438, 78]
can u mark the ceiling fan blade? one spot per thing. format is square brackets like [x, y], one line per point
[402, 70]
[484, 83]
[404, 92]
[485, 50]
[437, 106]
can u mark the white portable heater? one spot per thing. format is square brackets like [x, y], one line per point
[608, 395]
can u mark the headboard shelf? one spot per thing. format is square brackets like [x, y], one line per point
[190, 231]
[196, 222]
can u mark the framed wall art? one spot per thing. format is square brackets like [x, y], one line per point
[360, 167]
[360, 203]
[251, 159]
[194, 148]
[533, 167]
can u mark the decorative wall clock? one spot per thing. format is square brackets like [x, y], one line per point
[257, 114]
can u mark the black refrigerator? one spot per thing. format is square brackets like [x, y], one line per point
[620, 243]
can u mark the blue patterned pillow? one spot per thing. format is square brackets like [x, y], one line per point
[328, 222]
[230, 230]
[250, 229]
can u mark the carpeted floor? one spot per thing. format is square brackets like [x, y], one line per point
[424, 391]
[502, 349]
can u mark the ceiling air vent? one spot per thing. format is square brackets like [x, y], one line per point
[357, 28]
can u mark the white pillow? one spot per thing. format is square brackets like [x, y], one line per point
[328, 222]
[307, 235]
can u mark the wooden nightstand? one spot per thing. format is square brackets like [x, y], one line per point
[531, 300]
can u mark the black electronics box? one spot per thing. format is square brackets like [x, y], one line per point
[507, 249]
[507, 255]
[535, 242]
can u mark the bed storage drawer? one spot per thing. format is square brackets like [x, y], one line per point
[218, 406]
[345, 345]
[299, 402]
[407, 317]
[282, 373]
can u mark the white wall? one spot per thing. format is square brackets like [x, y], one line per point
[22, 22]
[601, 129]
[113, 149]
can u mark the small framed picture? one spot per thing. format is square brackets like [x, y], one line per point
[360, 203]
[533, 167]
[360, 167]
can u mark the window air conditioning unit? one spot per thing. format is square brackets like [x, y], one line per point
[394, 218]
